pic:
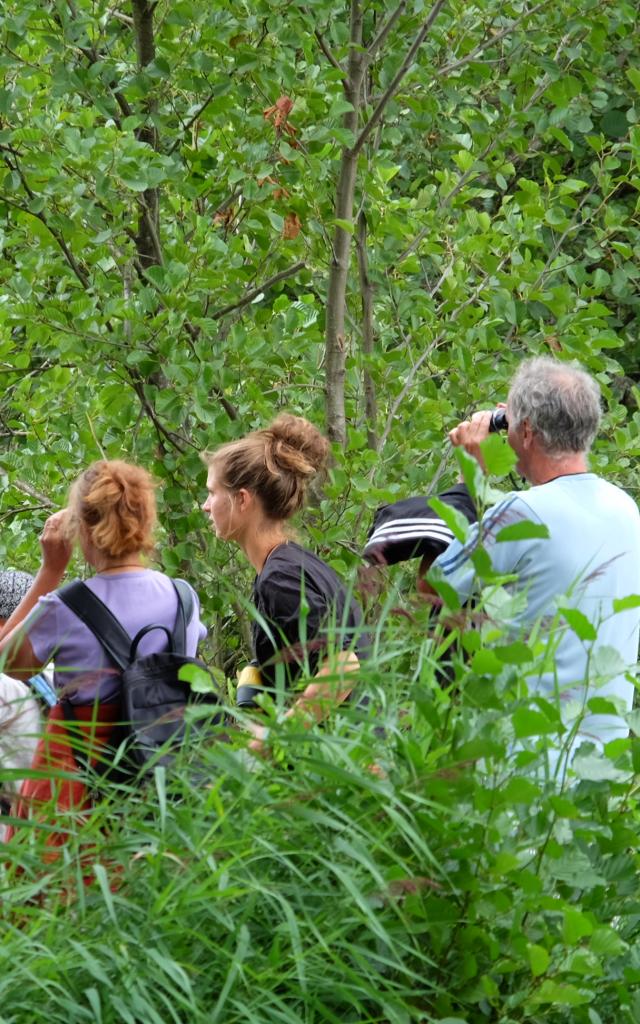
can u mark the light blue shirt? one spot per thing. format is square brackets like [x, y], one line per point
[590, 558]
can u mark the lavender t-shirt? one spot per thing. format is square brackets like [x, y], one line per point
[137, 599]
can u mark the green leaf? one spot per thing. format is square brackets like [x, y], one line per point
[576, 870]
[605, 941]
[498, 455]
[575, 926]
[521, 791]
[524, 530]
[201, 680]
[596, 768]
[105, 888]
[622, 604]
[345, 225]
[485, 662]
[387, 171]
[539, 959]
[448, 593]
[579, 623]
[516, 653]
[633, 74]
[455, 520]
[471, 473]
[527, 722]
[276, 220]
[560, 994]
[633, 720]
[340, 106]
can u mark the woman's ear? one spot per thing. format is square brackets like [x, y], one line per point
[243, 499]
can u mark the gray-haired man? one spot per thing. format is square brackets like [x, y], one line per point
[590, 558]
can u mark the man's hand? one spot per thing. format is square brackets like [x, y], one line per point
[471, 433]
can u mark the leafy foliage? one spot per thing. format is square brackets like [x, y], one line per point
[168, 212]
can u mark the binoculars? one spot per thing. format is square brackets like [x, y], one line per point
[498, 421]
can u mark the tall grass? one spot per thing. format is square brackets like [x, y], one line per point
[458, 884]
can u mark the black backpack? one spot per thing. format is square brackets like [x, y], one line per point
[153, 697]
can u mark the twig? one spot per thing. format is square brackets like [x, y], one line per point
[464, 178]
[174, 440]
[254, 292]
[19, 511]
[22, 485]
[124, 18]
[53, 232]
[485, 44]
[93, 434]
[408, 384]
[383, 34]
[327, 52]
[185, 128]
[397, 78]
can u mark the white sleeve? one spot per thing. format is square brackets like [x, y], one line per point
[455, 565]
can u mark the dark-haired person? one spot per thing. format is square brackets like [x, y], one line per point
[112, 516]
[256, 484]
[590, 558]
[411, 528]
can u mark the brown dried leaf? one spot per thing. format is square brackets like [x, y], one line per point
[408, 886]
[292, 226]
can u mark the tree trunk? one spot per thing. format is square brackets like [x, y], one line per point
[335, 336]
[148, 234]
[366, 294]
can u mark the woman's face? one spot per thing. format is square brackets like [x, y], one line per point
[220, 507]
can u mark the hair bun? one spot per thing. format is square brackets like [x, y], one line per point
[276, 464]
[293, 437]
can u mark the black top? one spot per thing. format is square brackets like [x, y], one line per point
[410, 528]
[303, 605]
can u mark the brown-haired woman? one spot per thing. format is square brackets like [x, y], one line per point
[256, 484]
[112, 516]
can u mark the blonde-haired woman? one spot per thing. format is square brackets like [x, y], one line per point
[305, 617]
[112, 516]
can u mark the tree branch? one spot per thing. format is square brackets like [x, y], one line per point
[174, 440]
[411, 376]
[185, 128]
[397, 78]
[327, 52]
[383, 34]
[25, 488]
[254, 292]
[84, 280]
[486, 43]
[12, 512]
[124, 18]
[148, 236]
[335, 335]
[464, 178]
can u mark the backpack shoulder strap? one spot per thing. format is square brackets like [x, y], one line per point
[97, 617]
[183, 617]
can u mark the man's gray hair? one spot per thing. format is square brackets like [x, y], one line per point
[13, 586]
[560, 401]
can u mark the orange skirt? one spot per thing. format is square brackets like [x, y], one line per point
[59, 801]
